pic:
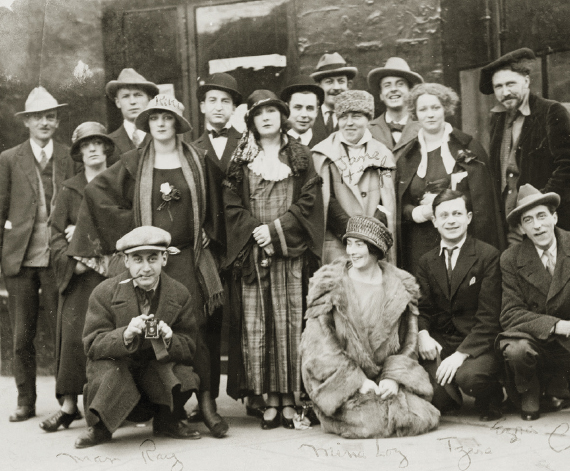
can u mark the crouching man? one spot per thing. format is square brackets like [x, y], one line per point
[139, 338]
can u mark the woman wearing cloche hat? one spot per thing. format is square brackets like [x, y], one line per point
[358, 348]
[274, 222]
[163, 184]
[76, 279]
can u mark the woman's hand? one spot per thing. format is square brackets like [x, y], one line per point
[69, 230]
[388, 388]
[368, 386]
[262, 236]
[80, 268]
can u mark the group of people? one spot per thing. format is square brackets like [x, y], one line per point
[380, 267]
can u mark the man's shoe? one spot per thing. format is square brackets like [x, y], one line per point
[23, 413]
[58, 419]
[553, 404]
[530, 415]
[94, 436]
[175, 430]
[217, 425]
[490, 413]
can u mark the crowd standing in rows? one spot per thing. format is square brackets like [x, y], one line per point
[377, 269]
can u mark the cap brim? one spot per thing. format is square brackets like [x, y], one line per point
[114, 85]
[141, 121]
[203, 89]
[162, 248]
[514, 216]
[350, 72]
[375, 75]
[23, 113]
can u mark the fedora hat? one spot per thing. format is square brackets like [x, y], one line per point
[371, 230]
[331, 65]
[261, 98]
[394, 67]
[528, 198]
[223, 82]
[487, 72]
[302, 83]
[39, 100]
[130, 77]
[163, 103]
[84, 131]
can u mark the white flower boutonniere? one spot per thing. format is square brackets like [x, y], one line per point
[168, 193]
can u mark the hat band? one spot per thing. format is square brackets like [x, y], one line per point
[326, 68]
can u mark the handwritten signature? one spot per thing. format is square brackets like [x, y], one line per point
[513, 432]
[87, 459]
[466, 448]
[149, 454]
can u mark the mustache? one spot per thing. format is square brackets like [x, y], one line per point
[509, 97]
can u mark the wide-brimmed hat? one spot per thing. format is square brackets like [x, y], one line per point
[164, 103]
[144, 238]
[371, 230]
[261, 98]
[302, 83]
[394, 67]
[331, 65]
[221, 81]
[39, 100]
[528, 198]
[87, 130]
[356, 101]
[130, 78]
[487, 72]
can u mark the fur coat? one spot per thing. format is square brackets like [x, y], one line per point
[342, 346]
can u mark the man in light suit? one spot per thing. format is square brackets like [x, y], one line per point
[535, 314]
[131, 93]
[459, 307]
[392, 83]
[334, 77]
[31, 175]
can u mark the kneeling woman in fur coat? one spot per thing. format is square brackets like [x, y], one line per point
[359, 346]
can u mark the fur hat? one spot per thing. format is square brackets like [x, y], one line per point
[528, 198]
[371, 230]
[357, 101]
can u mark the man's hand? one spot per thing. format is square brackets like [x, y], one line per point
[69, 230]
[205, 239]
[164, 330]
[135, 327]
[562, 328]
[80, 268]
[446, 371]
[428, 347]
[369, 385]
[388, 388]
[262, 236]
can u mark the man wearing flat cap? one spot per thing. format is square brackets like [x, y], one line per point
[31, 175]
[140, 340]
[304, 98]
[530, 136]
[131, 93]
[392, 84]
[334, 76]
[535, 312]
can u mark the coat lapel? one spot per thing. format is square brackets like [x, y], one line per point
[233, 140]
[439, 271]
[410, 161]
[164, 311]
[531, 268]
[27, 162]
[409, 133]
[562, 270]
[381, 131]
[467, 257]
[124, 303]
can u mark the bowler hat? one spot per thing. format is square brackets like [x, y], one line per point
[261, 98]
[528, 198]
[144, 238]
[487, 72]
[302, 83]
[356, 101]
[394, 67]
[332, 65]
[130, 77]
[221, 81]
[84, 131]
[371, 230]
[39, 100]
[163, 103]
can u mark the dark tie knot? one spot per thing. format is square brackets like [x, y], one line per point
[144, 296]
[395, 127]
[222, 133]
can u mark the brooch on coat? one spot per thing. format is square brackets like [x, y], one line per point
[168, 193]
[465, 155]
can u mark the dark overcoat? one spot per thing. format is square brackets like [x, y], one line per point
[473, 304]
[19, 193]
[111, 390]
[543, 152]
[319, 130]
[381, 132]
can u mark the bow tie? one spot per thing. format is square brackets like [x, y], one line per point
[222, 133]
[395, 127]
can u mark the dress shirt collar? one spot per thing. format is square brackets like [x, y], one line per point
[209, 127]
[152, 288]
[445, 245]
[524, 108]
[131, 128]
[389, 119]
[552, 249]
[37, 150]
[305, 138]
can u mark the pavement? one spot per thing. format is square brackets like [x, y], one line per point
[460, 443]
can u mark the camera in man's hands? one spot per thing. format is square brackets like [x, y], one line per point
[151, 329]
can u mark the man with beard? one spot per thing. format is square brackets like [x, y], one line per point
[334, 77]
[530, 136]
[392, 83]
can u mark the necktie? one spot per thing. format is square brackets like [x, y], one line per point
[43, 159]
[144, 298]
[222, 133]
[395, 127]
[448, 263]
[136, 138]
[548, 261]
[506, 144]
[329, 123]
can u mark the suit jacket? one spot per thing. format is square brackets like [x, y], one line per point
[381, 132]
[543, 152]
[19, 191]
[532, 304]
[319, 130]
[123, 144]
[473, 304]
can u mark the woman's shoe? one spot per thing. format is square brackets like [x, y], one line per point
[59, 418]
[285, 422]
[272, 423]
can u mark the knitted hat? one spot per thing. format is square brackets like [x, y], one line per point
[163, 103]
[144, 238]
[356, 101]
[528, 198]
[371, 230]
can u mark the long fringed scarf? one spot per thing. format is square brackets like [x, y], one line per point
[193, 172]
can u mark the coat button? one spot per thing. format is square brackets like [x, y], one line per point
[511, 175]
[363, 194]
